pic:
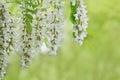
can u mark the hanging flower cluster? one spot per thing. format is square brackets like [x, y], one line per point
[79, 15]
[27, 32]
[55, 22]
[38, 22]
[6, 31]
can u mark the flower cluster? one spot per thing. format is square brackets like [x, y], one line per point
[6, 38]
[79, 28]
[36, 24]
[55, 21]
[24, 41]
[40, 27]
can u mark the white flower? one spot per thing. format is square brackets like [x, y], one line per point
[79, 29]
[44, 48]
[24, 41]
[54, 25]
[5, 37]
[76, 17]
[73, 2]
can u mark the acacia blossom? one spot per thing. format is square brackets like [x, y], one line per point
[79, 29]
[55, 21]
[24, 41]
[40, 27]
[35, 26]
[6, 31]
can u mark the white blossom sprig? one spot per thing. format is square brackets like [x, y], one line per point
[80, 20]
[27, 32]
[55, 22]
[6, 37]
[40, 26]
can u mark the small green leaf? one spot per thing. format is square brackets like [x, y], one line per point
[12, 7]
[28, 27]
[73, 11]
[74, 35]
[28, 16]
[31, 11]
[35, 6]
[46, 40]
[43, 9]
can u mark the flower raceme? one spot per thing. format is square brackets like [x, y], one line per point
[38, 22]
[6, 38]
[81, 21]
[54, 25]
[27, 32]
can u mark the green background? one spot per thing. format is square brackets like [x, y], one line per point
[97, 59]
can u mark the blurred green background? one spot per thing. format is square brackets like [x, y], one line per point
[97, 59]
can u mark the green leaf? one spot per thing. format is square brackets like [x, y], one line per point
[46, 40]
[73, 11]
[29, 17]
[43, 9]
[74, 35]
[12, 7]
[28, 27]
[35, 6]
[31, 11]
